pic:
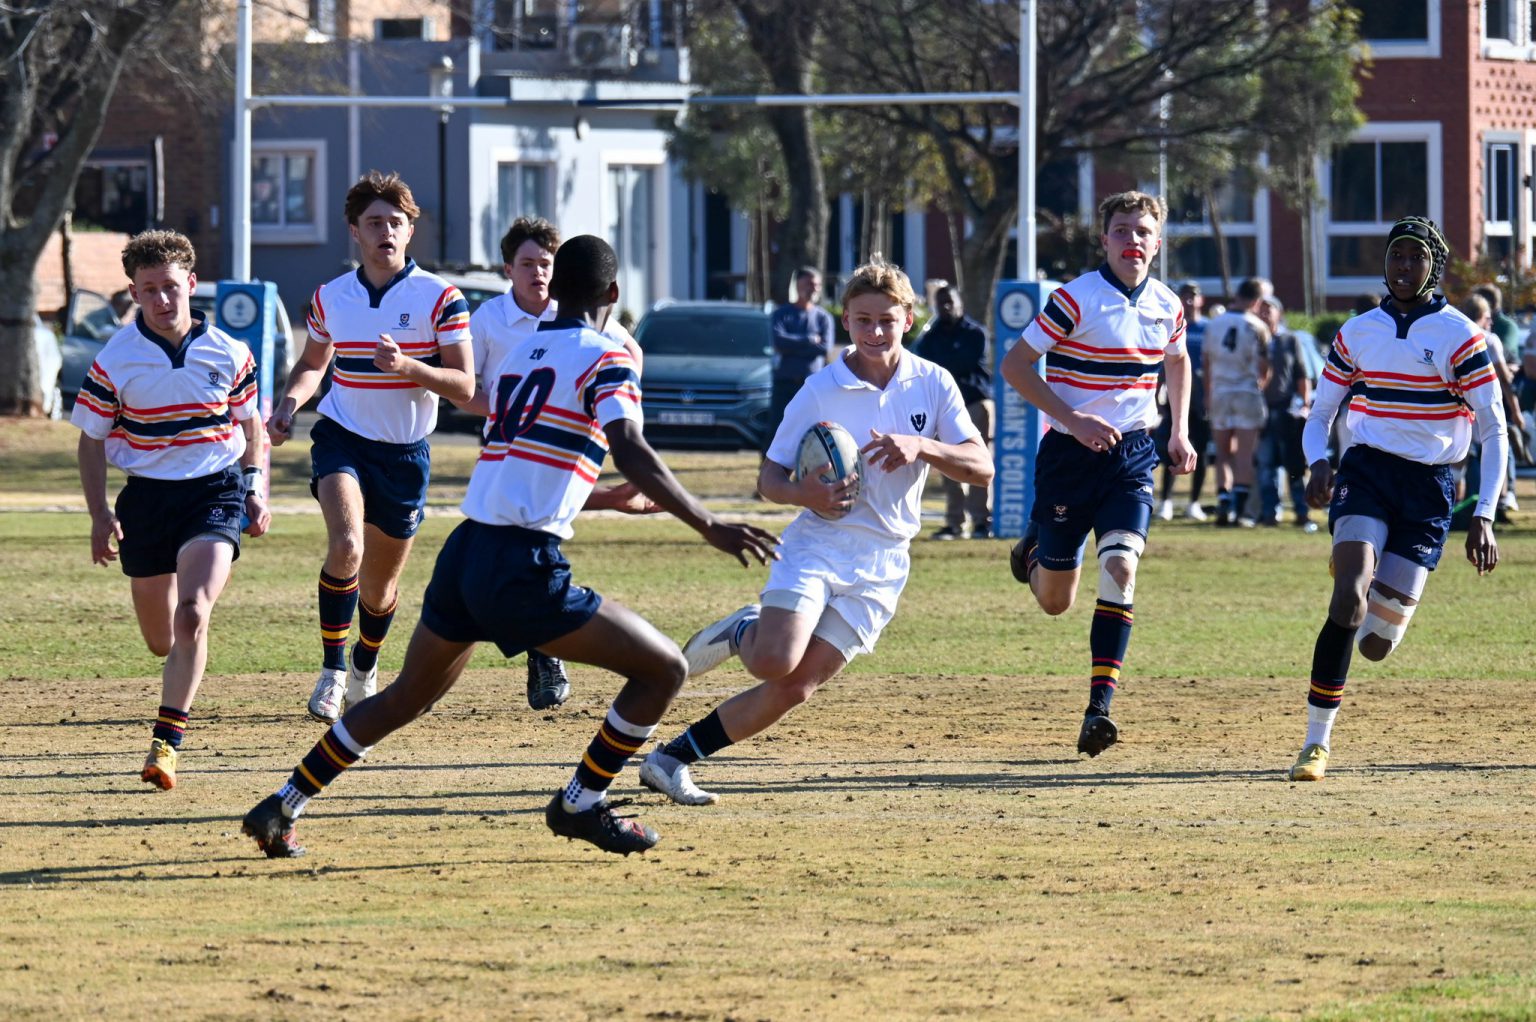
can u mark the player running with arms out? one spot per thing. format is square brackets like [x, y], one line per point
[842, 568]
[1426, 383]
[565, 398]
[528, 257]
[398, 336]
[1103, 336]
[172, 402]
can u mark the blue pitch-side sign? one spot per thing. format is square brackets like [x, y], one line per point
[1019, 425]
[247, 310]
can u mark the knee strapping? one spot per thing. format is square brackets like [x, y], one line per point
[1386, 617]
[1128, 547]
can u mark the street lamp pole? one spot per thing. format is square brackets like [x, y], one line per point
[442, 87]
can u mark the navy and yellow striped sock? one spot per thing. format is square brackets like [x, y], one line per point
[611, 747]
[372, 627]
[1108, 637]
[703, 738]
[338, 602]
[333, 753]
[1330, 665]
[170, 725]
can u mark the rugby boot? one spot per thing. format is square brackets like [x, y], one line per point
[600, 826]
[272, 830]
[1098, 733]
[665, 775]
[548, 684]
[160, 765]
[710, 647]
[1311, 764]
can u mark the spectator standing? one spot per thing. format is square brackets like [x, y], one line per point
[1195, 322]
[1287, 396]
[958, 343]
[1236, 369]
[802, 343]
[1503, 325]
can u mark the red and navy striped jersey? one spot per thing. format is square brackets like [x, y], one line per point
[169, 412]
[554, 393]
[422, 312]
[1103, 345]
[1419, 379]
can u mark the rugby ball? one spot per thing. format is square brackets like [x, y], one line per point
[828, 443]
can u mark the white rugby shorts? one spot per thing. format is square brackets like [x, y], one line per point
[848, 578]
[1237, 409]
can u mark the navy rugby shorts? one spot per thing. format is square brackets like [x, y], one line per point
[507, 585]
[1078, 491]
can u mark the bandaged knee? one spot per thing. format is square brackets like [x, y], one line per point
[1386, 617]
[1128, 547]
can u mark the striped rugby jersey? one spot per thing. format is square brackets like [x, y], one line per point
[1234, 343]
[1103, 345]
[422, 312]
[164, 412]
[1421, 377]
[545, 445]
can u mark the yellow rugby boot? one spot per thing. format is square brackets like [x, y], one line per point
[160, 765]
[1311, 764]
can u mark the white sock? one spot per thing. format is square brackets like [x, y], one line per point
[294, 801]
[1320, 724]
[577, 796]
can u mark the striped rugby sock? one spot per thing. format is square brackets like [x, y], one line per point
[338, 602]
[171, 725]
[1108, 637]
[332, 754]
[372, 627]
[611, 747]
[1330, 669]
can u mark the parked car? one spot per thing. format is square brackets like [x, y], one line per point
[50, 367]
[90, 323]
[708, 376]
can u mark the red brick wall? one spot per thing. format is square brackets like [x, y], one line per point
[97, 260]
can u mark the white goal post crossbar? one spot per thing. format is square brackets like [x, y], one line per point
[245, 103]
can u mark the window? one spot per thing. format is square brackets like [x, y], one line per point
[322, 17]
[404, 28]
[522, 189]
[1499, 183]
[286, 196]
[629, 227]
[1499, 20]
[1400, 28]
[1241, 208]
[1389, 171]
[114, 195]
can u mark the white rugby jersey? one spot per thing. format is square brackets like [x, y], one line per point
[1103, 346]
[165, 412]
[922, 399]
[498, 326]
[1422, 377]
[545, 445]
[1234, 344]
[422, 312]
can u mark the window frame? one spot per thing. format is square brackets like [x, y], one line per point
[1431, 134]
[1258, 229]
[1397, 49]
[316, 233]
[500, 156]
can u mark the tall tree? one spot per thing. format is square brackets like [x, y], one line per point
[782, 34]
[59, 65]
[1103, 69]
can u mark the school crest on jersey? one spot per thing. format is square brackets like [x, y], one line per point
[1061, 512]
[213, 376]
[1429, 357]
[405, 319]
[919, 420]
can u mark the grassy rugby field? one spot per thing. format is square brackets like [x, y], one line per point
[917, 842]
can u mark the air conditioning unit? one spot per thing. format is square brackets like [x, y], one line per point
[605, 47]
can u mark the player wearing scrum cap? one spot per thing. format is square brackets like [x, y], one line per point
[1425, 384]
